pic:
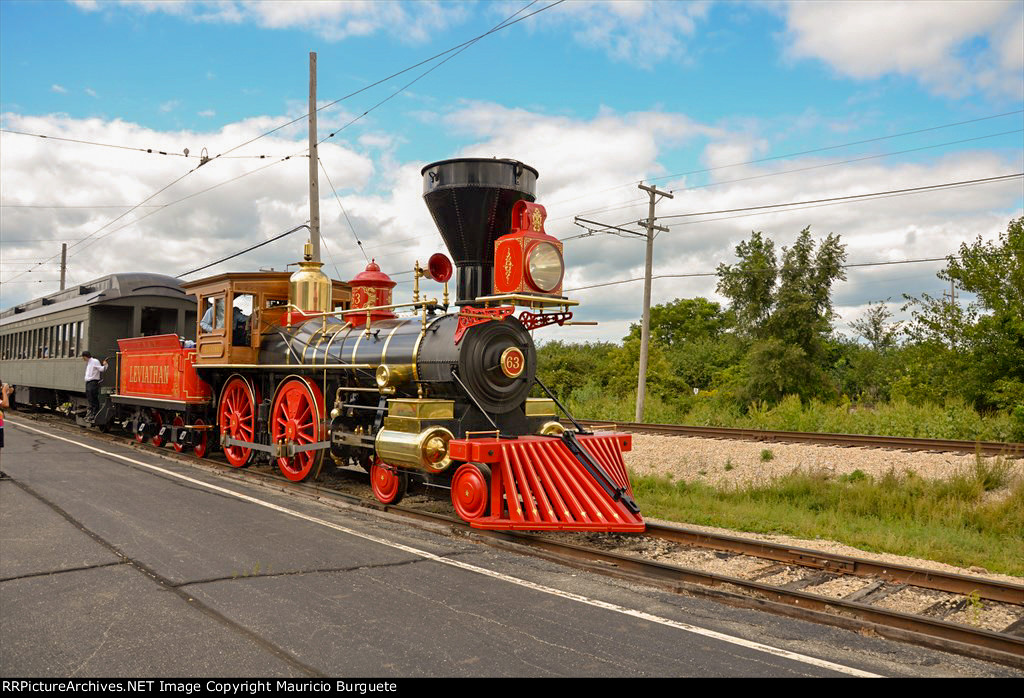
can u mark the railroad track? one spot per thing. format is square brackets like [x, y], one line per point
[985, 448]
[849, 592]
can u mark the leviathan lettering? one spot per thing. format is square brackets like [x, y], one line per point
[150, 374]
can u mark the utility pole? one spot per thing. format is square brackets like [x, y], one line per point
[314, 182]
[645, 327]
[63, 263]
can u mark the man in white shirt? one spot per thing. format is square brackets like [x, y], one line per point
[93, 375]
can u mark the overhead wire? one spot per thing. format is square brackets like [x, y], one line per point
[501, 25]
[755, 271]
[330, 104]
[793, 205]
[342, 207]
[790, 155]
[638, 201]
[458, 49]
[149, 151]
[241, 252]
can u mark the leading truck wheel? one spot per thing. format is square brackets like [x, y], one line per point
[471, 490]
[158, 419]
[236, 417]
[298, 418]
[388, 483]
[202, 441]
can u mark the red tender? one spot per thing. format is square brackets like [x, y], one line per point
[159, 368]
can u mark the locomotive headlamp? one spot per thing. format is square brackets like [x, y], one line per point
[528, 260]
[544, 267]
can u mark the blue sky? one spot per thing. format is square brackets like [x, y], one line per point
[595, 95]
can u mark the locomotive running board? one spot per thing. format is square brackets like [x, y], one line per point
[539, 484]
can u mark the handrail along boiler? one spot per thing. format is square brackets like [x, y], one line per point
[307, 368]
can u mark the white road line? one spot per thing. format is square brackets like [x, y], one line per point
[813, 661]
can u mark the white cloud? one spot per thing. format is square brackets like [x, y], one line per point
[91, 92]
[952, 47]
[584, 165]
[635, 31]
[169, 106]
[208, 113]
[60, 89]
[332, 20]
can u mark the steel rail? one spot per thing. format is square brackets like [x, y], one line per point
[985, 448]
[843, 564]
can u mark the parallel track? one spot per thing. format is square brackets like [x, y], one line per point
[1006, 646]
[985, 448]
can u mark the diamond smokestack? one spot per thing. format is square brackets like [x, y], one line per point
[471, 201]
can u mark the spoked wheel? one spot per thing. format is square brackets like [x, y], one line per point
[236, 417]
[157, 440]
[297, 418]
[388, 483]
[471, 489]
[139, 436]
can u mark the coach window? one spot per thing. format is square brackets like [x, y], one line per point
[73, 343]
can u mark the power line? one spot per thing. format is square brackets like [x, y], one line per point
[850, 199]
[150, 151]
[754, 271]
[74, 206]
[343, 211]
[504, 25]
[930, 187]
[782, 157]
[636, 202]
[841, 145]
[241, 252]
[501, 25]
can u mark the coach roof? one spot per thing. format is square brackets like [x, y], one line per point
[104, 289]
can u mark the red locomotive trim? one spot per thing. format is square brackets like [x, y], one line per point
[477, 316]
[536, 484]
[533, 321]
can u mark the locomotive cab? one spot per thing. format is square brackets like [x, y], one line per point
[238, 309]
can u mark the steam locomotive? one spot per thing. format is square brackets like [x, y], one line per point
[299, 368]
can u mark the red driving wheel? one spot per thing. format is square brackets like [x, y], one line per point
[236, 417]
[471, 488]
[388, 483]
[297, 419]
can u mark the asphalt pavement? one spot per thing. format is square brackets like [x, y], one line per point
[118, 561]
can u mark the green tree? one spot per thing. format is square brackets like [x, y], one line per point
[995, 272]
[974, 350]
[875, 329]
[787, 310]
[686, 320]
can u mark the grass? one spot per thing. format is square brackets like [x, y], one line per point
[957, 521]
[953, 420]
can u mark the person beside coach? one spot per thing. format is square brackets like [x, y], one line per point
[93, 375]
